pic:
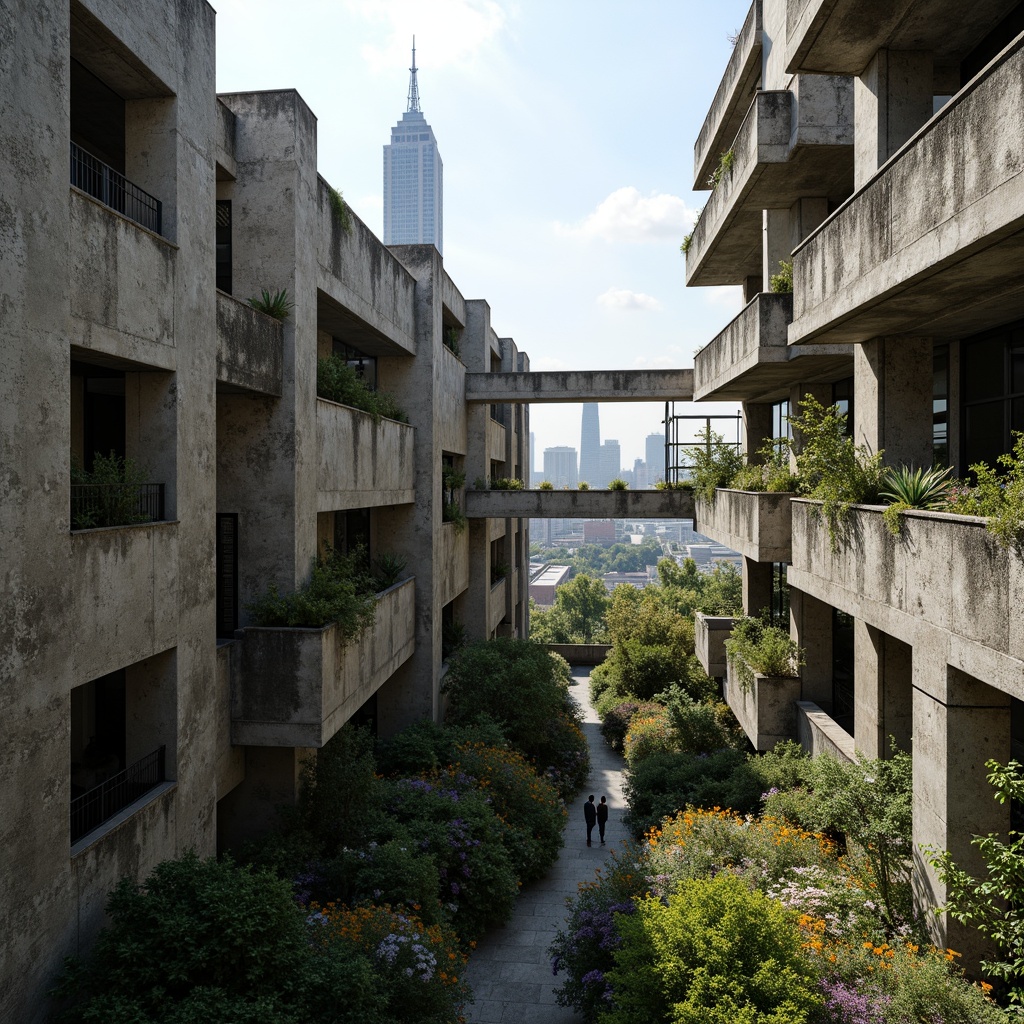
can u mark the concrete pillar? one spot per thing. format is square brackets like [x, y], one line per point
[892, 388]
[757, 586]
[751, 286]
[804, 216]
[892, 98]
[479, 591]
[757, 428]
[776, 244]
[959, 723]
[810, 625]
[882, 691]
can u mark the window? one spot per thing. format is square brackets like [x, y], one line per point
[224, 245]
[780, 595]
[352, 531]
[993, 392]
[842, 670]
[842, 396]
[940, 406]
[364, 365]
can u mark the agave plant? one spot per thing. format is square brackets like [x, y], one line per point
[913, 488]
[277, 305]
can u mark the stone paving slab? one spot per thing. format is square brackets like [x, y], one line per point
[510, 971]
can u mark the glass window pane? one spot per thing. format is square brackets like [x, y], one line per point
[983, 369]
[1017, 368]
[986, 438]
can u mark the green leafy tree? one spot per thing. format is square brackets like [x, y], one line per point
[577, 616]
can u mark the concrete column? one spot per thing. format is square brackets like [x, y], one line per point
[810, 625]
[775, 244]
[751, 286]
[892, 387]
[882, 691]
[757, 428]
[804, 216]
[479, 591]
[757, 586]
[892, 98]
[959, 723]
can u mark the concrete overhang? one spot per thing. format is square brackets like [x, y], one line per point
[250, 348]
[735, 93]
[342, 323]
[668, 504]
[933, 244]
[581, 386]
[787, 148]
[840, 37]
[751, 361]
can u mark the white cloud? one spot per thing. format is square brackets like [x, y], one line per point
[623, 298]
[448, 32]
[549, 363]
[628, 216]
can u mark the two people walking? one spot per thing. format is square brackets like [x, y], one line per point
[595, 815]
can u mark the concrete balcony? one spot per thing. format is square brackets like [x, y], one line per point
[710, 634]
[754, 523]
[297, 687]
[250, 348]
[496, 441]
[840, 37]
[452, 562]
[126, 586]
[733, 98]
[121, 286]
[751, 360]
[362, 463]
[675, 504]
[497, 603]
[791, 145]
[945, 584]
[934, 242]
[767, 710]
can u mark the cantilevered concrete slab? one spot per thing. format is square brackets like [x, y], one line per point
[674, 504]
[839, 37]
[933, 244]
[732, 100]
[750, 360]
[792, 144]
[581, 386]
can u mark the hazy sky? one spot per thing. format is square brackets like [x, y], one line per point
[566, 128]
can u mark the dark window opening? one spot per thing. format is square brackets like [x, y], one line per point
[364, 365]
[223, 242]
[940, 406]
[842, 396]
[780, 595]
[842, 670]
[352, 532]
[992, 375]
[227, 574]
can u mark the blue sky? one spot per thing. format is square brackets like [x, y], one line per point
[566, 128]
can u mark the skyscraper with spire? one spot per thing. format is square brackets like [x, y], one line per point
[590, 445]
[412, 177]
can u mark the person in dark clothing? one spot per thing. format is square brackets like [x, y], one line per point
[590, 816]
[602, 818]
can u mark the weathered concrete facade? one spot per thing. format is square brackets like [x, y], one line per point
[907, 273]
[126, 648]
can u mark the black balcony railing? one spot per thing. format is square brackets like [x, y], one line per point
[113, 189]
[102, 802]
[94, 505]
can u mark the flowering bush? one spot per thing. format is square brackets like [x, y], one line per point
[649, 733]
[419, 967]
[615, 723]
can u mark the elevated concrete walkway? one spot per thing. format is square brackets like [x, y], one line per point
[582, 386]
[674, 504]
[510, 970]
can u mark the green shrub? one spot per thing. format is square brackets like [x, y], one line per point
[909, 488]
[648, 733]
[699, 727]
[997, 496]
[112, 497]
[387, 570]
[583, 486]
[755, 646]
[615, 723]
[545, 485]
[506, 483]
[452, 340]
[338, 382]
[618, 485]
[338, 590]
[782, 282]
[715, 463]
[451, 512]
[277, 305]
[340, 210]
[714, 953]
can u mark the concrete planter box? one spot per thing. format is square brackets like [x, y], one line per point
[792, 143]
[750, 358]
[362, 463]
[945, 583]
[710, 634]
[297, 687]
[250, 347]
[767, 710]
[579, 504]
[757, 524]
[929, 240]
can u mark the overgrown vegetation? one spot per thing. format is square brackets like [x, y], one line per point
[723, 167]
[908, 488]
[757, 647]
[999, 496]
[715, 463]
[452, 340]
[340, 209]
[618, 485]
[109, 492]
[276, 304]
[782, 282]
[338, 382]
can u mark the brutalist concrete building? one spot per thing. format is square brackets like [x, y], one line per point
[878, 148]
[141, 714]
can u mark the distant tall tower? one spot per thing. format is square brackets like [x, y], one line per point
[560, 466]
[590, 445]
[413, 189]
[611, 463]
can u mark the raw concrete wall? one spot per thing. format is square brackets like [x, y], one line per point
[766, 710]
[667, 504]
[362, 463]
[249, 347]
[581, 654]
[710, 633]
[580, 386]
[297, 687]
[754, 523]
[819, 734]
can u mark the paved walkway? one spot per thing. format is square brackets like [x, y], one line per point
[510, 971]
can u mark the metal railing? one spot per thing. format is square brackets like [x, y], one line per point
[680, 449]
[102, 802]
[113, 189]
[94, 505]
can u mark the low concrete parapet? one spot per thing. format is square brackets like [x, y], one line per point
[581, 654]
[819, 734]
[710, 634]
[250, 347]
[452, 562]
[362, 462]
[757, 524]
[593, 504]
[581, 386]
[294, 687]
[766, 709]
